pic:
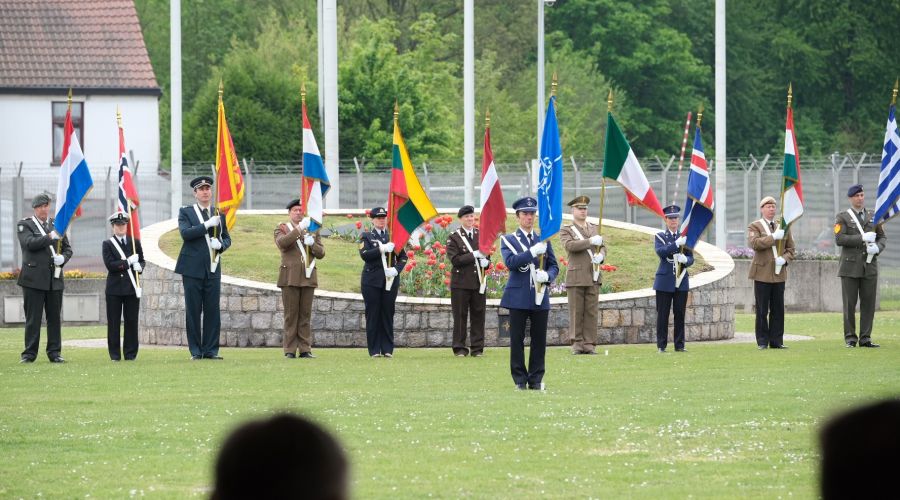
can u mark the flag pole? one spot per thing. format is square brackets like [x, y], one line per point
[684, 139]
[680, 162]
[302, 171]
[893, 103]
[481, 271]
[218, 159]
[137, 277]
[790, 97]
[69, 111]
[553, 84]
[390, 194]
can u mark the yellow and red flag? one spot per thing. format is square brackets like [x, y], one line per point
[408, 204]
[229, 181]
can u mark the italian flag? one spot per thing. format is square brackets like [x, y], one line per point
[408, 204]
[792, 189]
[621, 165]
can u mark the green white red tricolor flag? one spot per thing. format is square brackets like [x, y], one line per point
[792, 204]
[621, 165]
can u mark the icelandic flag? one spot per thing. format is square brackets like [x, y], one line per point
[887, 205]
[315, 178]
[698, 209]
[75, 180]
[550, 180]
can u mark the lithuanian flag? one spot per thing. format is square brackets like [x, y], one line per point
[408, 205]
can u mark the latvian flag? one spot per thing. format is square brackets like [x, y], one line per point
[493, 208]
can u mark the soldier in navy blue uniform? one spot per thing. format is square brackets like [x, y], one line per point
[373, 245]
[521, 252]
[205, 237]
[124, 259]
[670, 248]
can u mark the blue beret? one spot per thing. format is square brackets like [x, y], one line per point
[854, 190]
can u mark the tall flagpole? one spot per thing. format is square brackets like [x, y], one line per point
[469, 101]
[175, 103]
[390, 194]
[790, 97]
[721, 126]
[218, 157]
[609, 107]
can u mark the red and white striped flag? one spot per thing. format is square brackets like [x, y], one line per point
[493, 208]
[128, 197]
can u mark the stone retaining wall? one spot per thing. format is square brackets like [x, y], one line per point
[252, 313]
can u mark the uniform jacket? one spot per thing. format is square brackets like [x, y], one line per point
[665, 272]
[292, 271]
[762, 268]
[581, 269]
[37, 261]
[373, 269]
[519, 291]
[853, 250]
[194, 258]
[465, 273]
[117, 280]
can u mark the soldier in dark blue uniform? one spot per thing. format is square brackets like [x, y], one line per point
[124, 259]
[670, 248]
[205, 237]
[375, 248]
[521, 252]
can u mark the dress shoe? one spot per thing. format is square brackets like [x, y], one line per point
[460, 355]
[307, 355]
[115, 360]
[478, 355]
[680, 349]
[213, 356]
[26, 359]
[661, 350]
[590, 353]
[520, 387]
[780, 346]
[869, 344]
[57, 359]
[129, 359]
[376, 355]
[196, 358]
[290, 355]
[537, 387]
[761, 347]
[388, 355]
[850, 344]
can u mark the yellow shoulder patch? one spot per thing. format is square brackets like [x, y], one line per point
[362, 245]
[837, 228]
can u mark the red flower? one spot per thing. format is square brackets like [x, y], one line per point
[429, 252]
[428, 273]
[447, 282]
[368, 211]
[417, 247]
[431, 262]
[428, 227]
[442, 266]
[408, 267]
[349, 216]
[358, 224]
[443, 251]
[447, 274]
[501, 266]
[411, 254]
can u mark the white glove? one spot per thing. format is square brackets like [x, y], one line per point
[869, 237]
[215, 244]
[133, 258]
[541, 276]
[58, 260]
[212, 221]
[386, 247]
[478, 254]
[390, 272]
[597, 259]
[681, 258]
[680, 241]
[137, 267]
[597, 240]
[483, 262]
[539, 248]
[780, 260]
[55, 236]
[872, 249]
[308, 240]
[778, 234]
[304, 224]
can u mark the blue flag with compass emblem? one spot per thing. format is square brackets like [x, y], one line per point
[550, 177]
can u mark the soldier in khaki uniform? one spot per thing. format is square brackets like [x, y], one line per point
[297, 289]
[581, 242]
[859, 279]
[763, 237]
[465, 287]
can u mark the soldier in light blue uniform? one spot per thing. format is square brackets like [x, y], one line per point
[670, 248]
[521, 252]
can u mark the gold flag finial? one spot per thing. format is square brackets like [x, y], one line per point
[553, 83]
[609, 102]
[70, 97]
[894, 95]
[303, 92]
[700, 115]
[790, 93]
[396, 112]
[221, 88]
[487, 118]
[118, 116]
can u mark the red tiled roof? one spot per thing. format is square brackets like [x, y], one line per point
[88, 44]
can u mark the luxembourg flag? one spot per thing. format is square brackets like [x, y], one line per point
[315, 178]
[75, 180]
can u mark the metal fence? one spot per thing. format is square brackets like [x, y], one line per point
[269, 185]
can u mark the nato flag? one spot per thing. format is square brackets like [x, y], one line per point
[550, 181]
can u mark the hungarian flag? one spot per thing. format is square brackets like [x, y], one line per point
[408, 205]
[75, 180]
[493, 208]
[792, 189]
[229, 181]
[128, 198]
[621, 165]
[698, 211]
[315, 178]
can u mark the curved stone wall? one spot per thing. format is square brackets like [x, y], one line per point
[252, 313]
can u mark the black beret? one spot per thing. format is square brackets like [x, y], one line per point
[40, 200]
[293, 203]
[465, 210]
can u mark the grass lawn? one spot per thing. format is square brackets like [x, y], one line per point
[253, 254]
[721, 421]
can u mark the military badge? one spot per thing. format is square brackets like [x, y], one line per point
[21, 227]
[837, 228]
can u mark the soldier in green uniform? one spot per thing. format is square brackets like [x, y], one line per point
[41, 279]
[859, 239]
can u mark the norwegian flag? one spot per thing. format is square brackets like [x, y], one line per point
[698, 212]
[128, 198]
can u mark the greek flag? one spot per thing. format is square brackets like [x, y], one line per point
[550, 181]
[886, 205]
[698, 209]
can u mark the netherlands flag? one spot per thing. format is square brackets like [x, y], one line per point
[75, 180]
[698, 211]
[315, 178]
